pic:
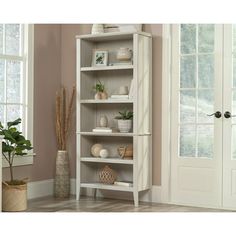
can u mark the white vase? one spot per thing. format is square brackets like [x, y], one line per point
[104, 153]
[97, 29]
[103, 122]
[124, 126]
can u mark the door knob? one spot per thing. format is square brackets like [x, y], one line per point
[217, 114]
[227, 115]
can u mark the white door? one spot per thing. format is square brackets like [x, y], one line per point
[196, 137]
[229, 121]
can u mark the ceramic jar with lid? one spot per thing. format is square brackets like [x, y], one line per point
[124, 54]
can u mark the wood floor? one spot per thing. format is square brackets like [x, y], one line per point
[87, 204]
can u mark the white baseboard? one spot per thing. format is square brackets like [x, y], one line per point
[45, 188]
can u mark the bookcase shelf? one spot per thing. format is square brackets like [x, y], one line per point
[89, 111]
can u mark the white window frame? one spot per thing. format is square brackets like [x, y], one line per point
[28, 92]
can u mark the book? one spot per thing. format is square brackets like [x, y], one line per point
[118, 96]
[103, 129]
[123, 183]
[131, 90]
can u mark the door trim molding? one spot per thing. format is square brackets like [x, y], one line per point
[166, 113]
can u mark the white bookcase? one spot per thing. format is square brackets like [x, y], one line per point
[89, 110]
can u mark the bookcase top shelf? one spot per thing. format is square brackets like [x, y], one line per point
[107, 160]
[111, 36]
[107, 134]
[102, 68]
[106, 101]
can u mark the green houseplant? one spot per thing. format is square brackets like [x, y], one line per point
[100, 91]
[125, 121]
[14, 144]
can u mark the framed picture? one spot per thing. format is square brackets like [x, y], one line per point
[100, 57]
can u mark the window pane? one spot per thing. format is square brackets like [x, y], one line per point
[2, 114]
[188, 72]
[206, 34]
[12, 39]
[206, 71]
[13, 81]
[205, 141]
[187, 141]
[187, 106]
[233, 142]
[205, 106]
[188, 38]
[14, 112]
[2, 81]
[1, 38]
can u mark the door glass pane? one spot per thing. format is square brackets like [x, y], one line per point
[187, 106]
[188, 72]
[206, 71]
[205, 106]
[187, 146]
[233, 145]
[2, 80]
[1, 38]
[205, 141]
[13, 81]
[188, 38]
[206, 34]
[12, 39]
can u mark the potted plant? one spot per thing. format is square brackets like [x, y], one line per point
[125, 121]
[100, 91]
[14, 192]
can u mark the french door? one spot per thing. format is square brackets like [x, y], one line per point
[203, 105]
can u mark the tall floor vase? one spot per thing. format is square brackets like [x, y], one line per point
[62, 177]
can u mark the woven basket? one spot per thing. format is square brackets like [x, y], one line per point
[14, 197]
[125, 152]
[107, 175]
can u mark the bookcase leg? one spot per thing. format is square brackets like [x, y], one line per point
[77, 193]
[95, 193]
[136, 200]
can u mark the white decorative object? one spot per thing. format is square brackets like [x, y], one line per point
[124, 54]
[95, 149]
[104, 153]
[123, 90]
[118, 96]
[103, 122]
[102, 130]
[97, 29]
[124, 126]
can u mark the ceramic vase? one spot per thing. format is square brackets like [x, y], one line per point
[103, 122]
[62, 177]
[124, 126]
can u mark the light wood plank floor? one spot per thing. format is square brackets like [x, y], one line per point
[87, 204]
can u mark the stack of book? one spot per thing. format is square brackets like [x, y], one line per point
[102, 130]
[118, 96]
[123, 183]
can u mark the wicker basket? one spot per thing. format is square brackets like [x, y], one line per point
[125, 152]
[107, 175]
[14, 197]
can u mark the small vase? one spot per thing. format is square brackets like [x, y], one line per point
[104, 95]
[62, 177]
[98, 96]
[103, 122]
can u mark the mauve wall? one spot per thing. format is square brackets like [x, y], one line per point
[47, 75]
[55, 63]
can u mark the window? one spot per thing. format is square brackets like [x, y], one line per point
[16, 75]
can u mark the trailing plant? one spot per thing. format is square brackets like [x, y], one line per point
[14, 144]
[99, 87]
[125, 115]
[63, 117]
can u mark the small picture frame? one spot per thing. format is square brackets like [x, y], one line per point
[100, 57]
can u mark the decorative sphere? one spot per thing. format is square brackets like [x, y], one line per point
[104, 153]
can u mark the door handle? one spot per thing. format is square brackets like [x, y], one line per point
[228, 115]
[217, 114]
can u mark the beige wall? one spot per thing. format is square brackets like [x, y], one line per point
[55, 62]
